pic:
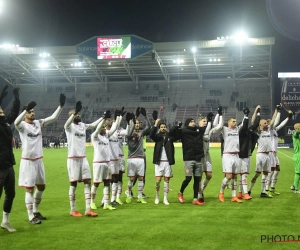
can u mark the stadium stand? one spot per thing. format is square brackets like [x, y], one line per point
[195, 86]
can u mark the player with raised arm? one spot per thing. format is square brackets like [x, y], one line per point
[32, 171]
[163, 156]
[275, 164]
[262, 156]
[7, 158]
[192, 150]
[101, 172]
[136, 155]
[147, 132]
[230, 157]
[114, 163]
[120, 133]
[247, 139]
[206, 160]
[77, 164]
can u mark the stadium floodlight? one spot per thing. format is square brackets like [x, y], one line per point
[9, 46]
[214, 59]
[43, 65]
[240, 36]
[76, 64]
[44, 54]
[178, 61]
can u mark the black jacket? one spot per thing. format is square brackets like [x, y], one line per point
[160, 142]
[192, 142]
[248, 138]
[7, 158]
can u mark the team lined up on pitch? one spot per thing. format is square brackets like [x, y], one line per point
[238, 144]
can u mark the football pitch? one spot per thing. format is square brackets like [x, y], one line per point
[254, 224]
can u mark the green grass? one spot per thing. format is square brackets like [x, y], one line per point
[148, 226]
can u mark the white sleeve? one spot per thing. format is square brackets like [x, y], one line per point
[282, 124]
[97, 131]
[19, 119]
[114, 126]
[69, 122]
[219, 126]
[53, 117]
[95, 123]
[215, 123]
[277, 120]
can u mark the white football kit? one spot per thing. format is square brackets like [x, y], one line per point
[230, 158]
[32, 171]
[77, 164]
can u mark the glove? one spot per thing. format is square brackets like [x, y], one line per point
[117, 113]
[210, 116]
[246, 111]
[179, 124]
[16, 93]
[122, 111]
[143, 112]
[3, 93]
[154, 115]
[30, 106]
[62, 99]
[106, 114]
[290, 114]
[78, 107]
[132, 116]
[220, 110]
[128, 118]
[278, 107]
[137, 111]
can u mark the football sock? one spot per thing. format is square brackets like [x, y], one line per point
[140, 189]
[244, 183]
[37, 198]
[105, 195]
[93, 193]
[87, 196]
[166, 189]
[233, 187]
[223, 185]
[268, 179]
[157, 188]
[5, 217]
[274, 178]
[29, 204]
[119, 189]
[253, 180]
[263, 183]
[114, 188]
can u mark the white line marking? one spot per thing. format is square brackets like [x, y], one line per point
[285, 155]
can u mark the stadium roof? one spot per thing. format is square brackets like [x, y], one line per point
[168, 62]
